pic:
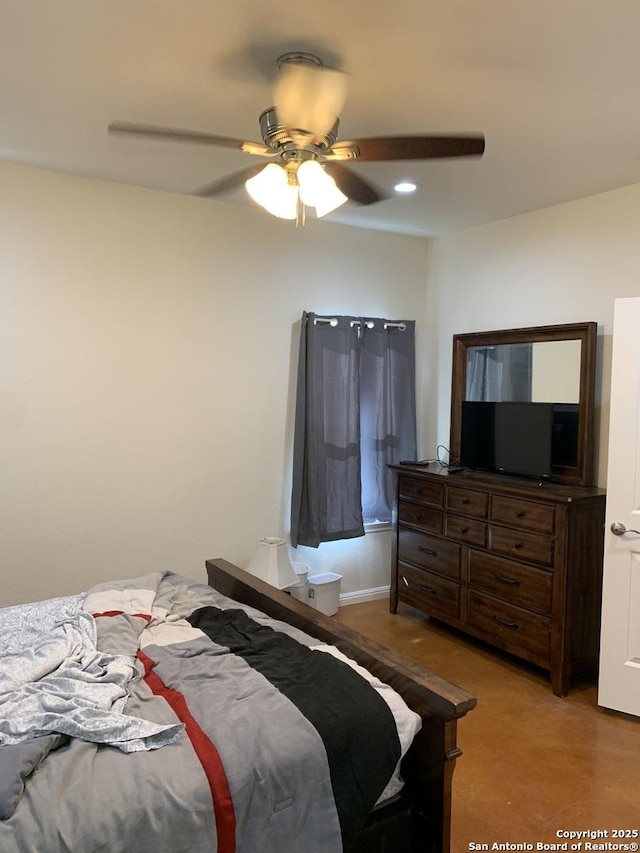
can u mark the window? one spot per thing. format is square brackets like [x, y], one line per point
[355, 414]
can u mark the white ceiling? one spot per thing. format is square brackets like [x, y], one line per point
[552, 84]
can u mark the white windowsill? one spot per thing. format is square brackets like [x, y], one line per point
[375, 526]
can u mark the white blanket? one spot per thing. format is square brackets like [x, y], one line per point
[53, 679]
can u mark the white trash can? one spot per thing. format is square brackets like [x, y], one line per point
[299, 590]
[323, 592]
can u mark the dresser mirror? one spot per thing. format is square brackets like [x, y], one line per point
[541, 364]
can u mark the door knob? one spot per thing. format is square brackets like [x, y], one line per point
[618, 529]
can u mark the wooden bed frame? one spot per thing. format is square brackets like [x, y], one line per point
[420, 821]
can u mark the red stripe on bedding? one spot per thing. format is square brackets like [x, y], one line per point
[208, 756]
[145, 616]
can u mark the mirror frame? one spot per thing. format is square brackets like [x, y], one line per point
[586, 333]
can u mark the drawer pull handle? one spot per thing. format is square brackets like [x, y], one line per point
[406, 582]
[504, 579]
[506, 623]
[428, 589]
[520, 514]
[465, 501]
[517, 545]
[427, 551]
[464, 530]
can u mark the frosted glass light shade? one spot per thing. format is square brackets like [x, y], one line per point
[318, 189]
[271, 189]
[271, 563]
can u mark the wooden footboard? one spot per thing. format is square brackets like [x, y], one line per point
[428, 766]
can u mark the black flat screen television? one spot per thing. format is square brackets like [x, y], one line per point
[513, 438]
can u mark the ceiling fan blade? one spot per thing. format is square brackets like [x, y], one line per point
[229, 182]
[352, 185]
[309, 97]
[171, 134]
[407, 148]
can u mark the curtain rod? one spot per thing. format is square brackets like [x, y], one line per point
[333, 321]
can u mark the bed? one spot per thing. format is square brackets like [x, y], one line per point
[157, 713]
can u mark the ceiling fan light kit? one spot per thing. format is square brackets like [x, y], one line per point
[301, 133]
[282, 192]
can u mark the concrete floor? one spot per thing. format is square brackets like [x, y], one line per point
[533, 765]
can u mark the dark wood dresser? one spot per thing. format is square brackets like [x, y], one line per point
[510, 562]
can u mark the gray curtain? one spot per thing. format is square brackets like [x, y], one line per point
[387, 409]
[352, 377]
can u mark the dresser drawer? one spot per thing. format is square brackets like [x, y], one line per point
[428, 591]
[520, 585]
[525, 515]
[511, 628]
[428, 519]
[427, 552]
[467, 501]
[466, 530]
[522, 546]
[421, 490]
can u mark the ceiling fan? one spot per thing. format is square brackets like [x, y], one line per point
[300, 137]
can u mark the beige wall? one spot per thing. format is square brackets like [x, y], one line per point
[564, 264]
[138, 433]
[146, 345]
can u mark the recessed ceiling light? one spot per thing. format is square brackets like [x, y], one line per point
[405, 187]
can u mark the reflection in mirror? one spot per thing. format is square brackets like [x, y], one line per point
[541, 372]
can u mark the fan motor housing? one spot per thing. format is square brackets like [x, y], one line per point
[276, 135]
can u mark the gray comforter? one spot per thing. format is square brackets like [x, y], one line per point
[265, 738]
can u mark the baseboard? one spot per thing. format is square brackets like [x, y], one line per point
[363, 595]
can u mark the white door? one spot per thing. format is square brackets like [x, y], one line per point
[619, 684]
